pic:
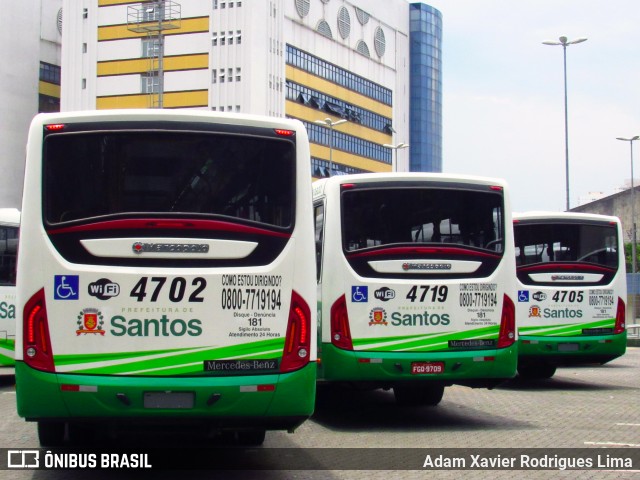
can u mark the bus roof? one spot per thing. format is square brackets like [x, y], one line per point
[10, 216]
[320, 186]
[544, 215]
[175, 115]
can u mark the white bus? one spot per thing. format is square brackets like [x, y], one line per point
[415, 283]
[9, 228]
[164, 274]
[571, 290]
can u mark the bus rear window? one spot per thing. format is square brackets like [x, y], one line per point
[96, 174]
[562, 242]
[8, 252]
[385, 216]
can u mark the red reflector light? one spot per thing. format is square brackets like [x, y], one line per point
[31, 327]
[340, 331]
[507, 335]
[620, 317]
[36, 346]
[284, 133]
[346, 186]
[70, 388]
[297, 344]
[266, 388]
[496, 188]
[54, 127]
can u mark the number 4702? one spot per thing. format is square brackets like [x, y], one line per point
[177, 289]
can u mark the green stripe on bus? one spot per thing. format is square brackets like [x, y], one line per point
[566, 330]
[434, 341]
[168, 362]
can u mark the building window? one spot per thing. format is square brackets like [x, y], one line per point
[85, 13]
[324, 29]
[379, 42]
[348, 143]
[84, 83]
[150, 47]
[318, 67]
[214, 75]
[302, 7]
[84, 48]
[50, 73]
[48, 104]
[362, 48]
[214, 39]
[344, 22]
[150, 82]
[238, 74]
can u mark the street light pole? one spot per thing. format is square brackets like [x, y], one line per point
[634, 263]
[564, 43]
[395, 148]
[327, 122]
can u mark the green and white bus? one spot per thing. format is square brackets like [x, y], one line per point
[164, 273]
[9, 228]
[571, 290]
[415, 283]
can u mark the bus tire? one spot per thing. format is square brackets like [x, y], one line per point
[250, 438]
[51, 434]
[536, 371]
[411, 396]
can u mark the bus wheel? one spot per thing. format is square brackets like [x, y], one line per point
[418, 395]
[535, 371]
[250, 438]
[51, 434]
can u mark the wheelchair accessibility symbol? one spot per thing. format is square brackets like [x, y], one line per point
[65, 287]
[360, 294]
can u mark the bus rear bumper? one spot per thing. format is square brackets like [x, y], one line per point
[571, 350]
[479, 368]
[272, 402]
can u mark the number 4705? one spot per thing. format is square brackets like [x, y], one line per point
[177, 289]
[567, 296]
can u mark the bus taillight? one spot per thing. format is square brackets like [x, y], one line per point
[507, 334]
[340, 332]
[620, 317]
[37, 343]
[297, 343]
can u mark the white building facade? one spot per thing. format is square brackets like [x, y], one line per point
[30, 47]
[306, 59]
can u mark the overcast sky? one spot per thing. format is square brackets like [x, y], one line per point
[503, 95]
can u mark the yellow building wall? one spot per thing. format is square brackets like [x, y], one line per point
[141, 65]
[197, 98]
